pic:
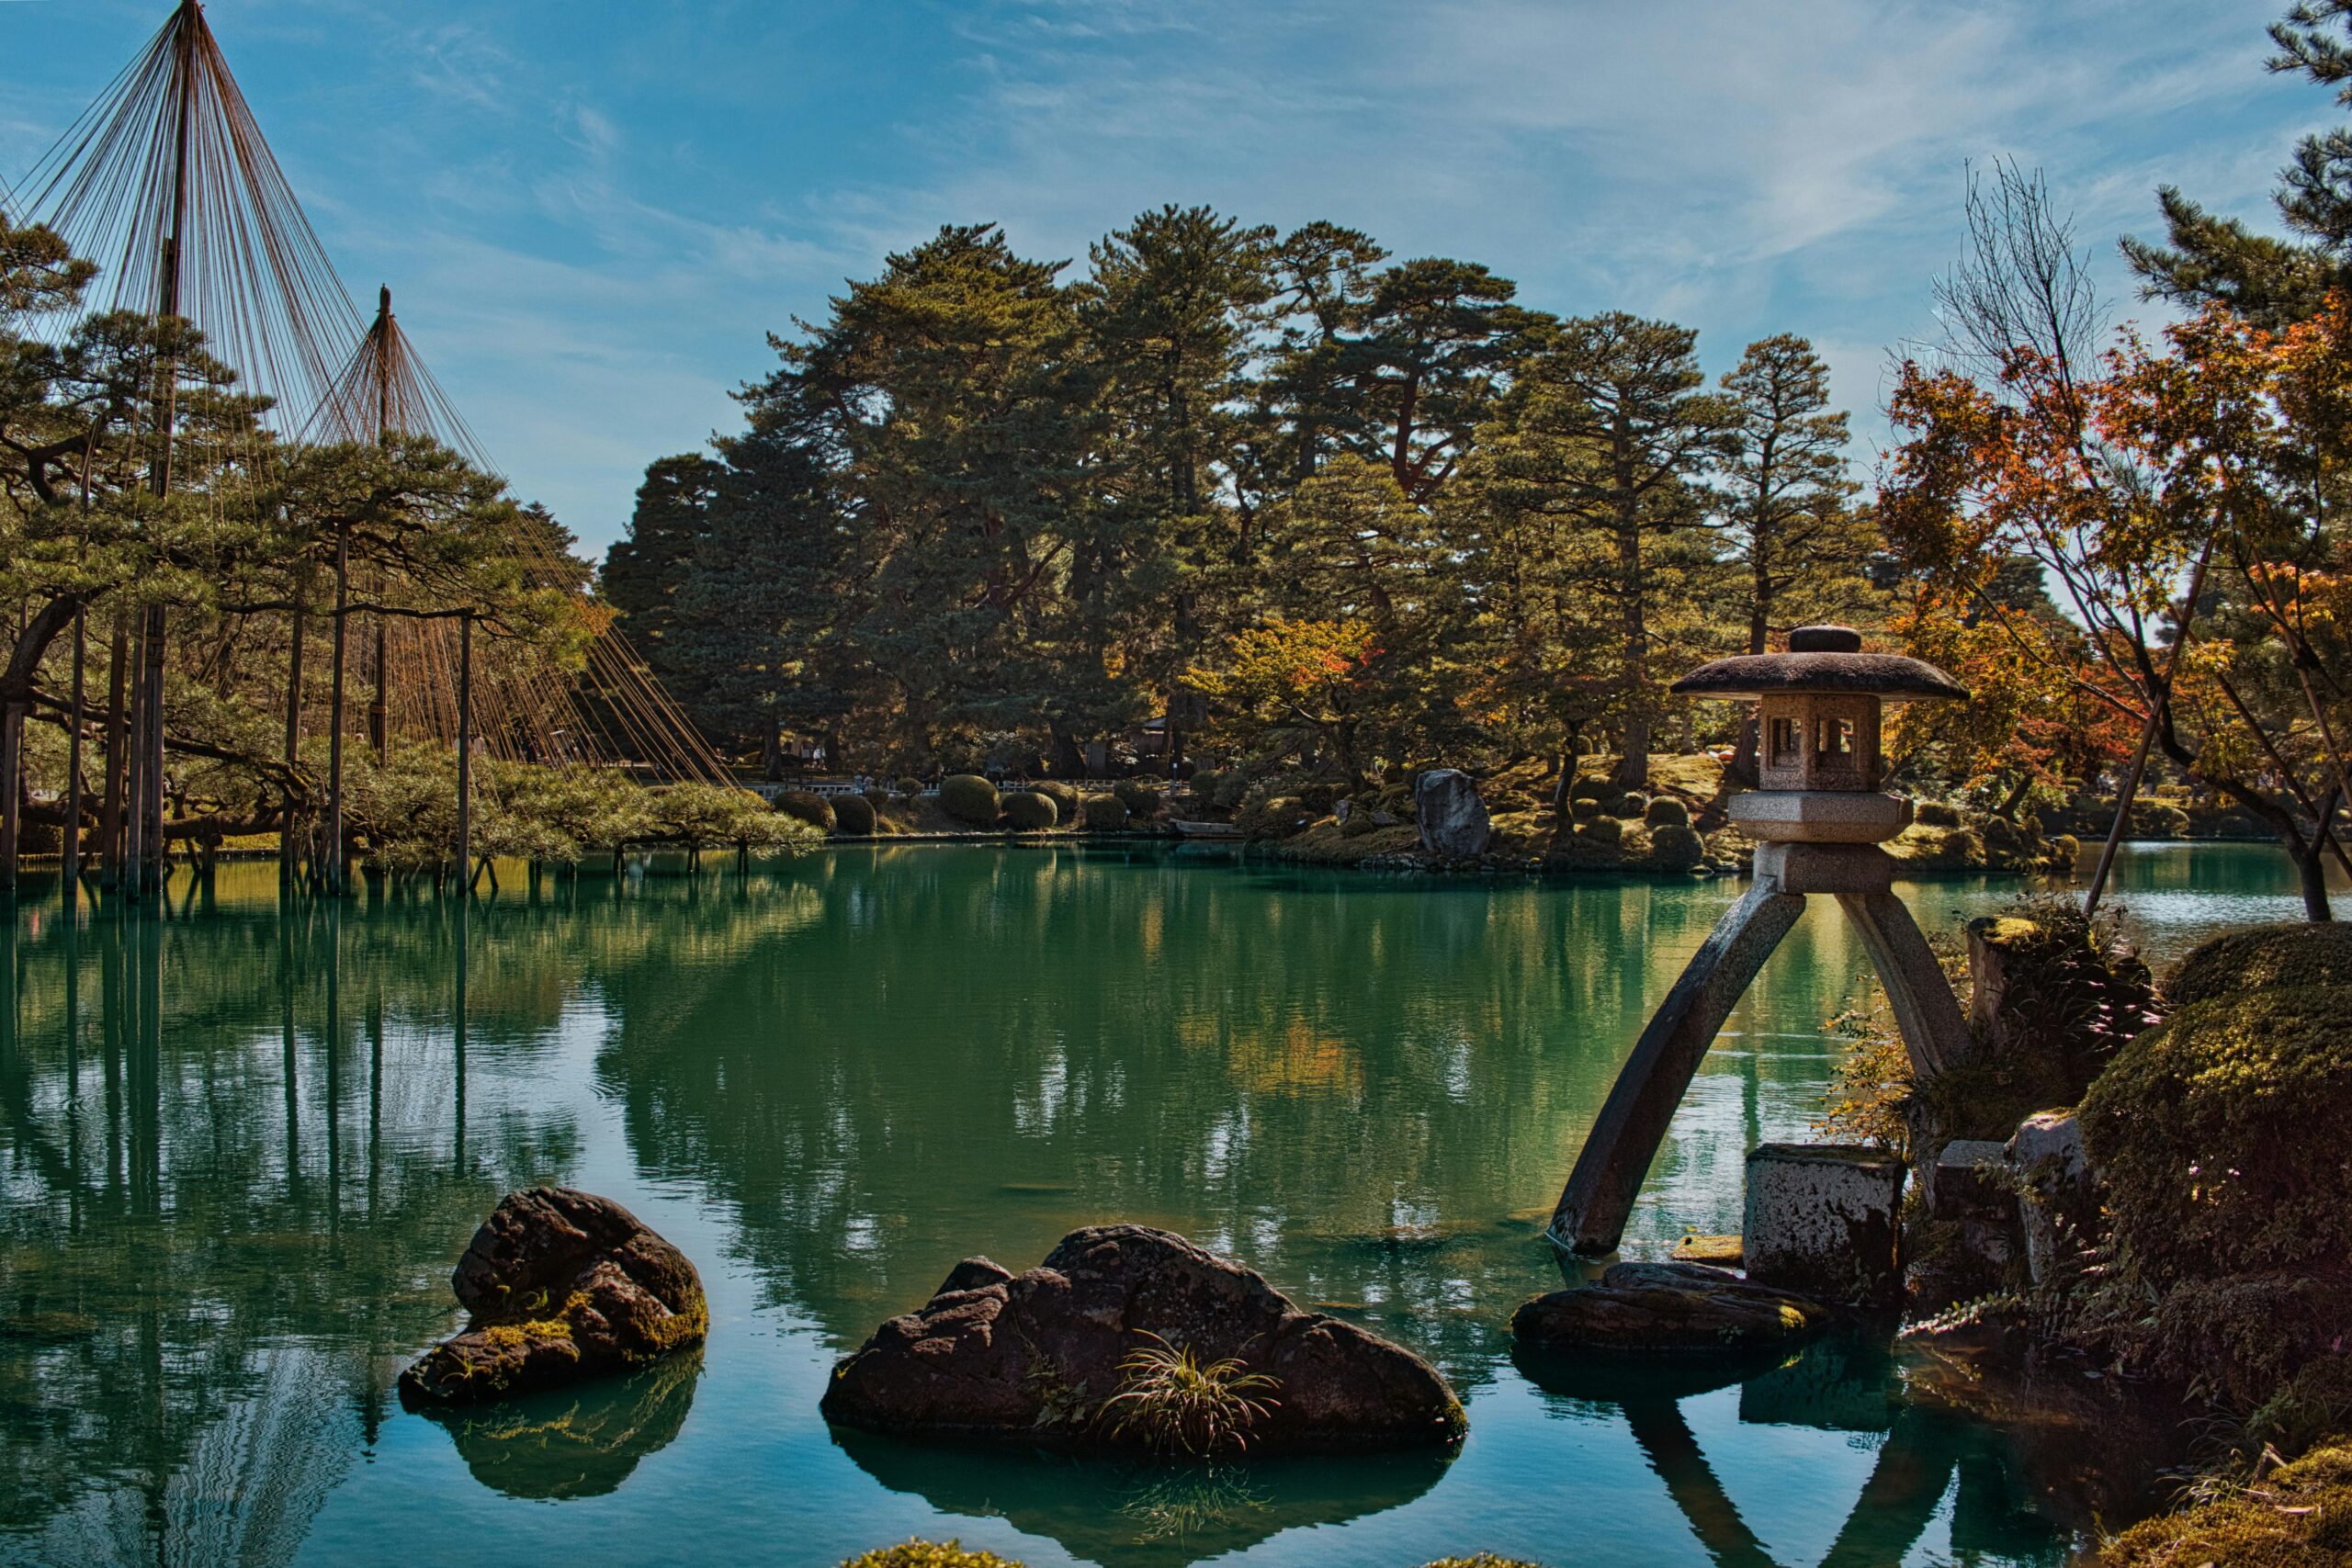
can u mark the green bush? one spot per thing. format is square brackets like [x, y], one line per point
[1030, 811]
[1103, 814]
[911, 787]
[1271, 816]
[808, 806]
[1960, 847]
[1203, 783]
[854, 815]
[1319, 797]
[1583, 807]
[1605, 829]
[1232, 787]
[1677, 845]
[2065, 850]
[2152, 820]
[1627, 806]
[1936, 814]
[967, 797]
[2223, 1138]
[1667, 811]
[1064, 796]
[1358, 824]
[1140, 797]
[1592, 787]
[2265, 958]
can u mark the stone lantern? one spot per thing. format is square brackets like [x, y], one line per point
[1819, 816]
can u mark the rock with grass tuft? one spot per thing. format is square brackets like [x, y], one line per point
[1127, 1338]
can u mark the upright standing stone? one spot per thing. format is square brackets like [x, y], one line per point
[2061, 1207]
[1453, 820]
[1821, 1218]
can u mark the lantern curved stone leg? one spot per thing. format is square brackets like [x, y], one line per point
[1934, 1032]
[1616, 1156]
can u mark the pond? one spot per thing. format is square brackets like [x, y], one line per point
[239, 1151]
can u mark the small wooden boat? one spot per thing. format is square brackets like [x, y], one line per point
[1204, 829]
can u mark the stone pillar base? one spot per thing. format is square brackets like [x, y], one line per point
[1821, 1218]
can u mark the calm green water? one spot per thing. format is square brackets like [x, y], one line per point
[239, 1152]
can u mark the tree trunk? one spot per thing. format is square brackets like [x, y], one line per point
[1634, 767]
[2311, 879]
[12, 758]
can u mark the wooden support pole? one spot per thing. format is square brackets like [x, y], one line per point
[68, 843]
[286, 827]
[332, 849]
[110, 806]
[466, 748]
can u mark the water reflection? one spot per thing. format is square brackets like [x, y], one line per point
[1135, 1514]
[240, 1147]
[1836, 1385]
[579, 1442]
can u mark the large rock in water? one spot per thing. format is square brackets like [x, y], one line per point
[561, 1284]
[1453, 820]
[1036, 1358]
[1669, 1309]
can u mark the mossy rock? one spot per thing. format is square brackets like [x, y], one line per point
[1677, 845]
[2298, 1516]
[1030, 811]
[1605, 829]
[2300, 954]
[1103, 814]
[2223, 1137]
[1628, 806]
[807, 806]
[1936, 814]
[854, 815]
[1667, 811]
[970, 799]
[930, 1555]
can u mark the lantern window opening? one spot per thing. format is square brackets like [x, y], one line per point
[1834, 738]
[1787, 748]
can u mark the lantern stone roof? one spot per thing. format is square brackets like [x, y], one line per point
[1820, 659]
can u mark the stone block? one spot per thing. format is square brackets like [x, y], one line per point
[1822, 1218]
[1453, 820]
[1827, 868]
[2059, 1210]
[1970, 1180]
[1820, 815]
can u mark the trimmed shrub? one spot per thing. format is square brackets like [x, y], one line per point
[1583, 809]
[854, 815]
[2223, 1140]
[1592, 787]
[967, 797]
[808, 807]
[1960, 847]
[1029, 811]
[1064, 796]
[1319, 797]
[1140, 797]
[2265, 958]
[1203, 783]
[1667, 811]
[1358, 824]
[2065, 850]
[2155, 820]
[1677, 845]
[1232, 787]
[1271, 816]
[1627, 806]
[1936, 814]
[1605, 829]
[911, 787]
[1103, 814]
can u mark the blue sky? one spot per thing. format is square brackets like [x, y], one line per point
[591, 211]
